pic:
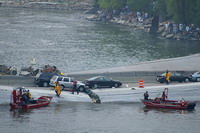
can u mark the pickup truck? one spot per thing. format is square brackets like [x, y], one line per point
[66, 83]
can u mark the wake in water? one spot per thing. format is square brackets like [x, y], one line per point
[176, 92]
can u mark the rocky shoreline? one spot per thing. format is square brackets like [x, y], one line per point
[144, 24]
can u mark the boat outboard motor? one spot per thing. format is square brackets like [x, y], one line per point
[191, 105]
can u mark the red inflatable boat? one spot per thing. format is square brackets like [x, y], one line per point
[169, 104]
[17, 102]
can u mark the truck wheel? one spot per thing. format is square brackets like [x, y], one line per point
[62, 87]
[45, 84]
[81, 89]
[198, 79]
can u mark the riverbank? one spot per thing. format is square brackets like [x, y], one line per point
[143, 21]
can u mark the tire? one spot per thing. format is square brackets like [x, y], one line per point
[187, 80]
[81, 89]
[95, 86]
[198, 79]
[115, 85]
[45, 84]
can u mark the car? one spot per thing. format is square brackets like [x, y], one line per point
[175, 76]
[101, 81]
[195, 76]
[66, 83]
[43, 79]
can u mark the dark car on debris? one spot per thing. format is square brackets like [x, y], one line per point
[101, 81]
[43, 79]
[175, 76]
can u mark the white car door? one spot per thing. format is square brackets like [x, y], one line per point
[65, 82]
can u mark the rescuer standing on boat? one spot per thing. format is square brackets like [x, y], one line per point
[163, 96]
[167, 76]
[58, 89]
[74, 87]
[146, 96]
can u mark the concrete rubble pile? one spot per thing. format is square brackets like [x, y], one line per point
[29, 71]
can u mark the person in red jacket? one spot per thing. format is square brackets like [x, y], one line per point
[146, 96]
[74, 87]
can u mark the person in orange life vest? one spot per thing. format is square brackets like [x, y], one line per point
[167, 76]
[58, 89]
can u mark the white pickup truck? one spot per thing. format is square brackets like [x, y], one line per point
[66, 83]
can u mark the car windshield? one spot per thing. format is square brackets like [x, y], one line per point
[94, 78]
[59, 79]
[196, 73]
[177, 74]
[54, 78]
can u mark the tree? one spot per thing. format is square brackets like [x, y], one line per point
[184, 11]
[111, 4]
[140, 5]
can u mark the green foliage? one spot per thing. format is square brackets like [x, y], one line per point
[181, 11]
[139, 5]
[184, 11]
[111, 4]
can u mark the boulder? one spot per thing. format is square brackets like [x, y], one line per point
[147, 26]
[160, 30]
[180, 36]
[169, 36]
[91, 17]
[121, 22]
[164, 34]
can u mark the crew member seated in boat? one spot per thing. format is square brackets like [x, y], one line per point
[146, 96]
[29, 97]
[24, 99]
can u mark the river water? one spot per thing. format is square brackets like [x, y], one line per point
[67, 40]
[63, 116]
[72, 43]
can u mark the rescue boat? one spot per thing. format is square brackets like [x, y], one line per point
[17, 102]
[169, 104]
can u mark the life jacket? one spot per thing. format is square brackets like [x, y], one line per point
[58, 89]
[29, 95]
[167, 75]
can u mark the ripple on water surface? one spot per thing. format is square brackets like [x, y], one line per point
[72, 43]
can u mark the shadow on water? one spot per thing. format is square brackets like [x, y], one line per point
[20, 115]
[168, 111]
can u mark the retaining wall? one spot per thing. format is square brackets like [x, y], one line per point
[16, 80]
